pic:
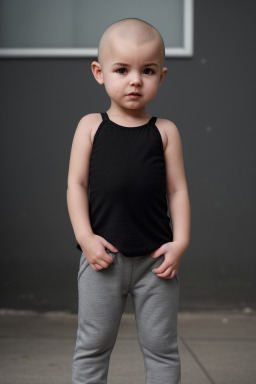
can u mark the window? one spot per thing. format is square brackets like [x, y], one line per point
[72, 28]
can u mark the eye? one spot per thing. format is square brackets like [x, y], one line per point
[149, 69]
[121, 69]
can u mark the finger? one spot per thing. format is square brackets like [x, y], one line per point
[111, 247]
[158, 252]
[162, 267]
[104, 263]
[108, 259]
[93, 267]
[166, 273]
[98, 266]
[173, 274]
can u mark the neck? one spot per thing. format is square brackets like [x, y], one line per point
[127, 114]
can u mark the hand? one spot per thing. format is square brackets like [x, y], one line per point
[93, 247]
[173, 252]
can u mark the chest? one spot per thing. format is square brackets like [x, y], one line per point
[122, 161]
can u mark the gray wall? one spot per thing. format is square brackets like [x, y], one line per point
[209, 97]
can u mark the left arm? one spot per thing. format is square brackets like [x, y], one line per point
[179, 205]
[177, 189]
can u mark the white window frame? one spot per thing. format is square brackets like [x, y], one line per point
[186, 51]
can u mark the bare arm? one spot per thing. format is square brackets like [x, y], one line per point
[180, 213]
[179, 205]
[78, 175]
[92, 245]
[177, 190]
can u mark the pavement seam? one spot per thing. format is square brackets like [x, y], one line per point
[219, 339]
[197, 360]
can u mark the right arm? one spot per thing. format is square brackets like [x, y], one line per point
[78, 180]
[92, 245]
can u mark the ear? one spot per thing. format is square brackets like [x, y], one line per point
[163, 74]
[97, 72]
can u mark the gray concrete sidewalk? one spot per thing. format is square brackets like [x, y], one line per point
[215, 347]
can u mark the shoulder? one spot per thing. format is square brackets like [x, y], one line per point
[168, 130]
[87, 126]
[91, 118]
[88, 121]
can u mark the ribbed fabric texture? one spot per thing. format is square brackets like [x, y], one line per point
[127, 187]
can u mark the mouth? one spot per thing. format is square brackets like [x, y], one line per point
[134, 94]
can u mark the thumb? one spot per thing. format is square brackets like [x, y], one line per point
[158, 252]
[111, 247]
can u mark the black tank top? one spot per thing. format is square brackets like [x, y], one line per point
[127, 187]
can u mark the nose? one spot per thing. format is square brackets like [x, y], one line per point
[135, 79]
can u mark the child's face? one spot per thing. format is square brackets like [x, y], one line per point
[136, 76]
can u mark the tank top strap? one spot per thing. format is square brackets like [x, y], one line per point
[104, 116]
[152, 120]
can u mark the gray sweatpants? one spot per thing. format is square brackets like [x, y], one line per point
[102, 297]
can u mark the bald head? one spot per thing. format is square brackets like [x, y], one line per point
[132, 30]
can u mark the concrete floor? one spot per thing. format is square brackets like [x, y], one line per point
[215, 347]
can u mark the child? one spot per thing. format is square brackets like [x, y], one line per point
[132, 165]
